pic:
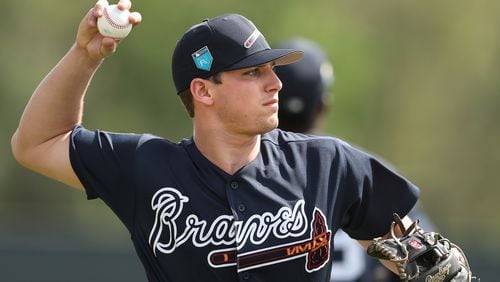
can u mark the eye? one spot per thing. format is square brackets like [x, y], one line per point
[253, 72]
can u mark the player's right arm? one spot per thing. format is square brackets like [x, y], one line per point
[41, 141]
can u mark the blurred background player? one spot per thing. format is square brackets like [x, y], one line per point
[303, 102]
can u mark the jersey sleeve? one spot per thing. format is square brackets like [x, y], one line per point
[375, 192]
[104, 164]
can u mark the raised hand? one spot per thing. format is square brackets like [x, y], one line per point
[89, 39]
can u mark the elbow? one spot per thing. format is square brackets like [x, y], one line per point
[19, 151]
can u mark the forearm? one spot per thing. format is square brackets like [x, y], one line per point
[41, 141]
[406, 221]
[56, 106]
[388, 264]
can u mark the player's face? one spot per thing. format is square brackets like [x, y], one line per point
[247, 99]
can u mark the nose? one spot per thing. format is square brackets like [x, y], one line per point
[274, 84]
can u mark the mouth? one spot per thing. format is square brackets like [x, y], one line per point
[271, 103]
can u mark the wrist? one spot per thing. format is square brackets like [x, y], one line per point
[83, 57]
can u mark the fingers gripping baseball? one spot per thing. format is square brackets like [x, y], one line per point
[97, 45]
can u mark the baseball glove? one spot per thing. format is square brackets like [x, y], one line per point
[422, 256]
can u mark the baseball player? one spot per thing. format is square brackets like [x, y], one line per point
[239, 200]
[303, 102]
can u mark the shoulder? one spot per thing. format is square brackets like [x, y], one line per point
[119, 140]
[312, 149]
[287, 139]
[317, 149]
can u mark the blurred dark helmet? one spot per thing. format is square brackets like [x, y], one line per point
[305, 86]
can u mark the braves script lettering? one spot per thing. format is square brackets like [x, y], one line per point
[165, 236]
[168, 204]
[224, 230]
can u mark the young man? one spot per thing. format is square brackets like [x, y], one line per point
[239, 200]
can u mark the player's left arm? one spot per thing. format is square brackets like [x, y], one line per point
[416, 255]
[390, 265]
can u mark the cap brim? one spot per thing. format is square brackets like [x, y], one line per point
[279, 56]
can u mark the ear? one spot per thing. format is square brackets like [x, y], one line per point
[200, 90]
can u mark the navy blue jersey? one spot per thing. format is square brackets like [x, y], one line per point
[273, 220]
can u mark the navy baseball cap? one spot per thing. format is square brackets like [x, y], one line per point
[223, 43]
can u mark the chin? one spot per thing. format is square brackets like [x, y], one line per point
[272, 124]
[275, 122]
[265, 125]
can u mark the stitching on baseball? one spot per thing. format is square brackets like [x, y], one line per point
[113, 23]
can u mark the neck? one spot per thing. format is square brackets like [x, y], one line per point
[229, 151]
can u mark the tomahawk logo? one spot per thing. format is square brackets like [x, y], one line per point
[168, 203]
[316, 250]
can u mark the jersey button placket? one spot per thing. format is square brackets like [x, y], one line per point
[241, 207]
[234, 185]
[245, 276]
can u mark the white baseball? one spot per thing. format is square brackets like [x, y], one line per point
[114, 22]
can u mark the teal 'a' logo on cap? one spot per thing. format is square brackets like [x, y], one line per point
[203, 59]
